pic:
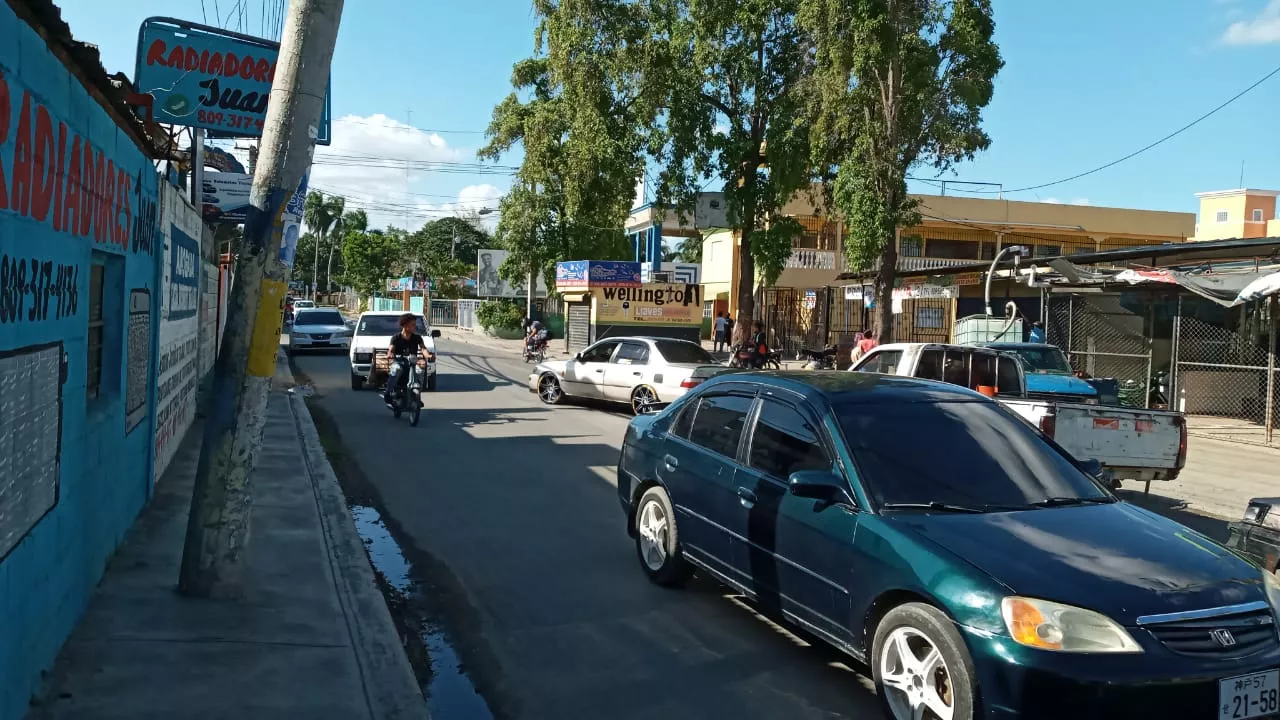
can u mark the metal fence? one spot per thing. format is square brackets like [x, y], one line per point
[1225, 374]
[454, 313]
[1105, 337]
[794, 318]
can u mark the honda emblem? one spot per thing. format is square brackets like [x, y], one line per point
[1223, 637]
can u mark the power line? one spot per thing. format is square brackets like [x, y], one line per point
[1140, 151]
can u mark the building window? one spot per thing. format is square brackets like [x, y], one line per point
[707, 308]
[1222, 216]
[1048, 250]
[952, 249]
[912, 246]
[93, 379]
[1257, 215]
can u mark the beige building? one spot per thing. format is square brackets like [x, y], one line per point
[1243, 213]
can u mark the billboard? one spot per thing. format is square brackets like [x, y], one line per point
[490, 284]
[583, 274]
[224, 196]
[407, 283]
[209, 78]
[650, 304]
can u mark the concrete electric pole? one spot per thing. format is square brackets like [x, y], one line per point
[218, 526]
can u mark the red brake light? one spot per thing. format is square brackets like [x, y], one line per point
[1049, 424]
[1181, 423]
[690, 383]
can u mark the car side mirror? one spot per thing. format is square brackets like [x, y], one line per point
[822, 485]
[578, 357]
[435, 333]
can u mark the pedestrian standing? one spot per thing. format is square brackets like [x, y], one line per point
[720, 328]
[728, 330]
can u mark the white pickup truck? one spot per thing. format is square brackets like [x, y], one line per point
[1130, 443]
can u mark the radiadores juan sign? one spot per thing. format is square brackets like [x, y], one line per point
[209, 78]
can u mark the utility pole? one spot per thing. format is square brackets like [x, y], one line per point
[213, 557]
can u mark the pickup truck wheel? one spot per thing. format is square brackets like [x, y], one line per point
[357, 382]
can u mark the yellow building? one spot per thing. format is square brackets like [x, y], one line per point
[1243, 213]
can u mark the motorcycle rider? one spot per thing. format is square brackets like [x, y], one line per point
[537, 335]
[405, 342]
[759, 344]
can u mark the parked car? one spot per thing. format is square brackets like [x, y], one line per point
[970, 562]
[303, 304]
[645, 372]
[373, 332]
[1257, 534]
[1048, 373]
[318, 329]
[1131, 443]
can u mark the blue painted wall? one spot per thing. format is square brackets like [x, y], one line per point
[74, 191]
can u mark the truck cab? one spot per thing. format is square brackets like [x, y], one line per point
[1049, 375]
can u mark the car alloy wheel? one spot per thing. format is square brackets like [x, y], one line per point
[652, 526]
[658, 539]
[549, 390]
[915, 677]
[643, 400]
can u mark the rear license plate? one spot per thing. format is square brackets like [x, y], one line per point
[1249, 696]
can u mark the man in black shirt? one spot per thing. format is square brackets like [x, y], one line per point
[405, 342]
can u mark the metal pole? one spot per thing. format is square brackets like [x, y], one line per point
[1151, 331]
[213, 558]
[528, 304]
[197, 167]
[1173, 360]
[1270, 420]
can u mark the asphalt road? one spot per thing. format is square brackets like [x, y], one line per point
[510, 506]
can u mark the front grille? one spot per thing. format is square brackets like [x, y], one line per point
[1229, 636]
[320, 337]
[1058, 397]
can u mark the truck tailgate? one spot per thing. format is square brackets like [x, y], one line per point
[1120, 437]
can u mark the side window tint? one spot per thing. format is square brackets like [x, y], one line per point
[1007, 380]
[930, 365]
[955, 368]
[983, 371]
[870, 364]
[684, 421]
[784, 442]
[632, 354]
[718, 424]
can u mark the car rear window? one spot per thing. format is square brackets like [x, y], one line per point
[319, 317]
[674, 351]
[978, 454]
[386, 325]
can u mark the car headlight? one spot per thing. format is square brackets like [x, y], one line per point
[1271, 582]
[1053, 626]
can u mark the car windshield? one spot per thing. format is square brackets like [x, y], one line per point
[980, 456]
[319, 317]
[674, 351]
[1044, 360]
[386, 325]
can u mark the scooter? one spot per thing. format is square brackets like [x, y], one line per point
[409, 398]
[824, 359]
[537, 353]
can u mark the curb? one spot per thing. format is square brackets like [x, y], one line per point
[390, 687]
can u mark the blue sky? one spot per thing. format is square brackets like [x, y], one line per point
[1085, 82]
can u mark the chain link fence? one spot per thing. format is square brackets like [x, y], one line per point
[1225, 374]
[1105, 339]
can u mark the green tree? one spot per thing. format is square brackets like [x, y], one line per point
[319, 213]
[369, 258]
[448, 238]
[348, 222]
[897, 84]
[578, 113]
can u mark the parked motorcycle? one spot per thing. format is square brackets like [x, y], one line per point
[745, 356]
[824, 359]
[537, 353]
[406, 395]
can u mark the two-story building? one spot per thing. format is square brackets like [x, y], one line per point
[1243, 213]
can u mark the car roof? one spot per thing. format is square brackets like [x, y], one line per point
[1010, 345]
[646, 338]
[857, 387]
[944, 346]
[387, 313]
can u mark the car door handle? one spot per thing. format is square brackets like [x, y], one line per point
[746, 497]
[600, 370]
[671, 463]
[636, 374]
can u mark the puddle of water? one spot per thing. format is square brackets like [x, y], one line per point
[449, 692]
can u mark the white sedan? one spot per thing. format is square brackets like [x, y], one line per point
[319, 329]
[645, 372]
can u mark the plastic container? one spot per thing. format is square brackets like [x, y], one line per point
[986, 328]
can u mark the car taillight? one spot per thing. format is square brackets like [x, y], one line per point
[1048, 424]
[1181, 423]
[689, 383]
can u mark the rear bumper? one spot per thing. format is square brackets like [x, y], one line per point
[338, 343]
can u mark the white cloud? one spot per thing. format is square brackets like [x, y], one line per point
[1261, 30]
[366, 164]
[1052, 201]
[1080, 201]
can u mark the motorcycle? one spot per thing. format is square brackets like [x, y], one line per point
[824, 359]
[536, 353]
[409, 397]
[745, 356]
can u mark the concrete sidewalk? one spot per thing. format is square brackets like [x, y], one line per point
[1221, 476]
[311, 638]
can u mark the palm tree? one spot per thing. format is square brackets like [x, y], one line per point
[348, 222]
[320, 213]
